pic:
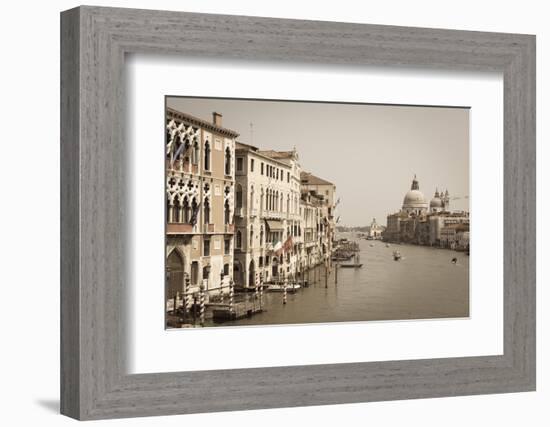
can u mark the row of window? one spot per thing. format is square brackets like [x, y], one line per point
[206, 247]
[194, 155]
[187, 213]
[268, 170]
[271, 201]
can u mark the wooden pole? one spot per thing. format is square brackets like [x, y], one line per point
[221, 287]
[231, 290]
[201, 301]
[284, 291]
[186, 296]
[261, 290]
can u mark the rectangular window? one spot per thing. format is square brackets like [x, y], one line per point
[206, 247]
[226, 246]
[251, 165]
[262, 168]
[195, 273]
[240, 164]
[288, 177]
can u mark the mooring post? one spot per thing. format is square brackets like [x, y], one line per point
[185, 296]
[231, 285]
[201, 302]
[221, 287]
[336, 273]
[261, 289]
[285, 283]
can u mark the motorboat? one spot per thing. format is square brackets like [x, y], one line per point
[280, 287]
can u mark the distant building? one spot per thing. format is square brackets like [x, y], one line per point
[423, 224]
[375, 230]
[455, 236]
[317, 200]
[200, 181]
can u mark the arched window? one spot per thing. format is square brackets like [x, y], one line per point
[251, 237]
[261, 236]
[186, 210]
[261, 201]
[206, 211]
[195, 154]
[288, 203]
[207, 156]
[227, 214]
[194, 211]
[238, 239]
[174, 274]
[227, 161]
[168, 210]
[251, 198]
[176, 210]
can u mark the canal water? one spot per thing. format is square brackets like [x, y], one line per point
[423, 284]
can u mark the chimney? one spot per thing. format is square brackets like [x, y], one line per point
[217, 119]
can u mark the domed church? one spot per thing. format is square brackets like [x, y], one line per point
[440, 201]
[414, 201]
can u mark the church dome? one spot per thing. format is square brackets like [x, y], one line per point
[414, 199]
[436, 203]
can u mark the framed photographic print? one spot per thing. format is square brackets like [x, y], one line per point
[288, 213]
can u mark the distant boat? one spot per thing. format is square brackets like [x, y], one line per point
[278, 287]
[372, 245]
[387, 245]
[396, 255]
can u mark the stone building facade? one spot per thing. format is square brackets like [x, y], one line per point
[200, 180]
[317, 206]
[267, 217]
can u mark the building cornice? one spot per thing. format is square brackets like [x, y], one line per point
[175, 114]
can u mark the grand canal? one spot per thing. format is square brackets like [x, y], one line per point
[423, 284]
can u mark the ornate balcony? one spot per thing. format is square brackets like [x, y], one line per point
[178, 228]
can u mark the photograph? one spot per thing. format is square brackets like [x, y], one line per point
[296, 212]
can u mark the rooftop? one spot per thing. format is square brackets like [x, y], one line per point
[310, 179]
[241, 146]
[175, 114]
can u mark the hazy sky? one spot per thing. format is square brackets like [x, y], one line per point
[370, 152]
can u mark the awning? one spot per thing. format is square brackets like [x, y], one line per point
[274, 225]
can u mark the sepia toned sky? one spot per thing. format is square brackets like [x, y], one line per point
[370, 152]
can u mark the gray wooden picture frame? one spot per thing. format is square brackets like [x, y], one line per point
[94, 41]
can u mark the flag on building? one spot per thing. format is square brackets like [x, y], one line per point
[286, 246]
